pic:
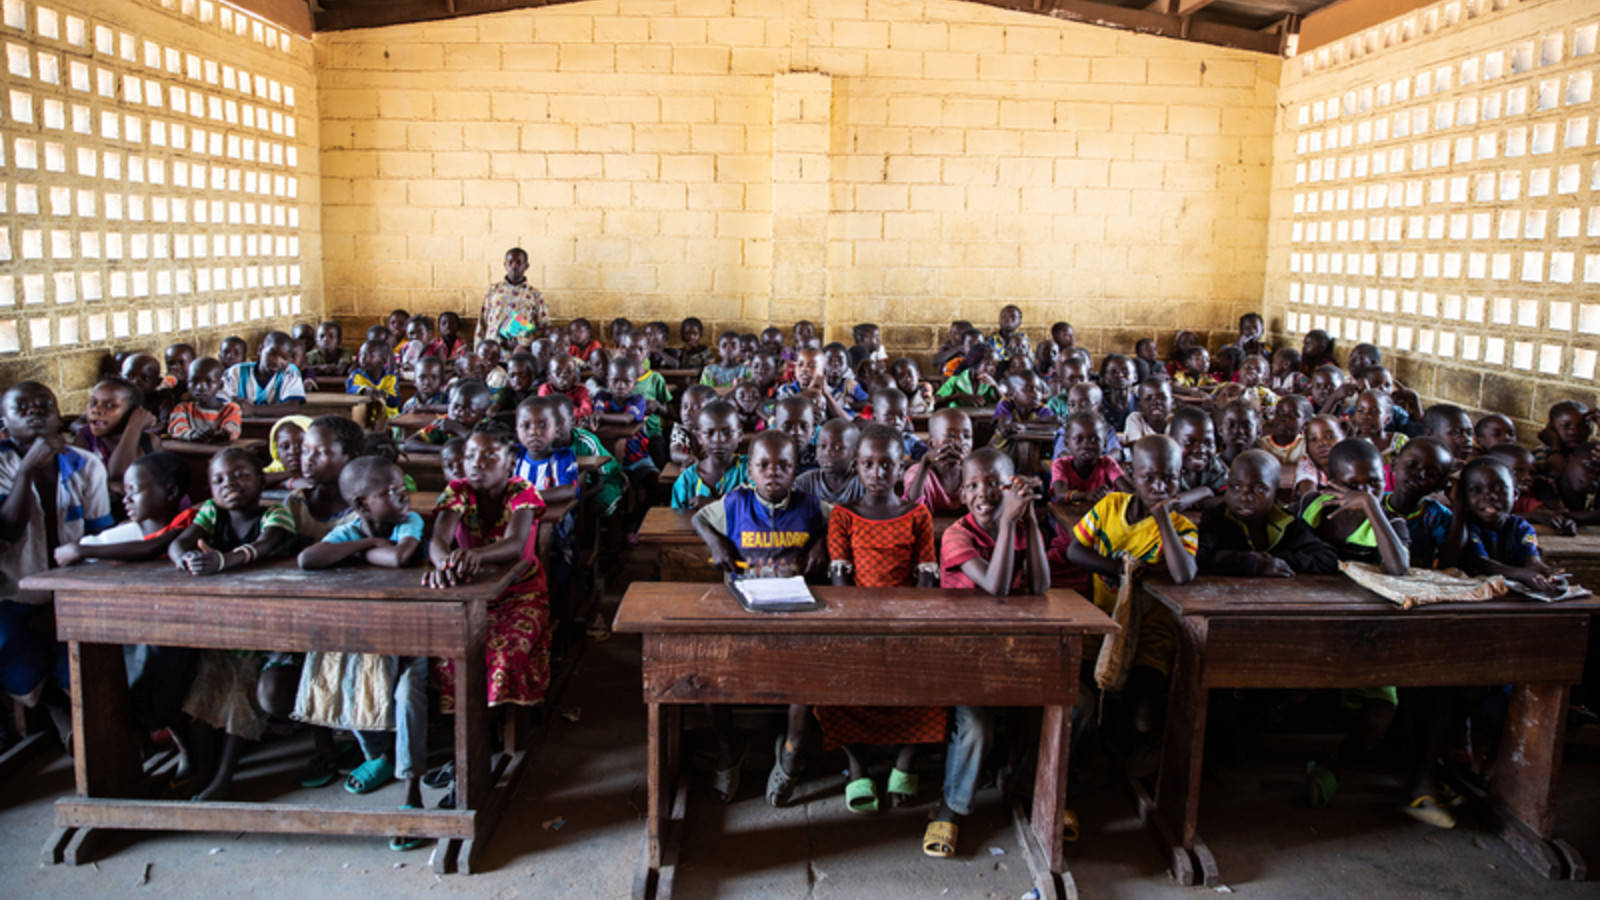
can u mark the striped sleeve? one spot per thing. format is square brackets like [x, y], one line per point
[230, 420]
[178, 423]
[277, 517]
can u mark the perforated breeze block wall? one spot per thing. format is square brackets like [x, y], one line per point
[906, 163]
[1436, 191]
[159, 183]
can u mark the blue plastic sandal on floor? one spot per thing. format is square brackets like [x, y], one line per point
[370, 775]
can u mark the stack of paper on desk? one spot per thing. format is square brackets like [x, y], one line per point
[775, 594]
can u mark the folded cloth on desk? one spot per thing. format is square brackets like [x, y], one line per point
[347, 690]
[1421, 587]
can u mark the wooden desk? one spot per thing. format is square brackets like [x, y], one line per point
[1326, 632]
[1578, 554]
[865, 647]
[678, 379]
[318, 403]
[197, 458]
[982, 423]
[100, 607]
[412, 421]
[1034, 445]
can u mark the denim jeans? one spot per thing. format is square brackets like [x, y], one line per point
[971, 732]
[410, 739]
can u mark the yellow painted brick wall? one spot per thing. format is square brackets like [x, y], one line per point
[130, 219]
[1437, 192]
[661, 159]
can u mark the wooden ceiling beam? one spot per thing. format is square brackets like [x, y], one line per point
[1147, 22]
[351, 14]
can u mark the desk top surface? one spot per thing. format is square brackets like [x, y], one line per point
[1321, 595]
[208, 449]
[659, 607]
[276, 579]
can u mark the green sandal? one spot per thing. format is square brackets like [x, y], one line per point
[902, 788]
[402, 842]
[861, 797]
[369, 776]
[1321, 784]
[321, 771]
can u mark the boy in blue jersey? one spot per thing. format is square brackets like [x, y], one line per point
[769, 527]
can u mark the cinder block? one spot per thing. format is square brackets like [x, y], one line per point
[1053, 67]
[1138, 118]
[1021, 114]
[470, 164]
[643, 58]
[1117, 70]
[1005, 67]
[434, 137]
[993, 141]
[588, 58]
[977, 38]
[555, 28]
[1228, 73]
[489, 136]
[405, 105]
[919, 35]
[621, 29]
[433, 192]
[700, 60]
[1160, 146]
[546, 194]
[405, 164]
[955, 64]
[735, 32]
[575, 165]
[894, 64]
[486, 193]
[472, 57]
[860, 35]
[530, 57]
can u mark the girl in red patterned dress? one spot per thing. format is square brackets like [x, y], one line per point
[881, 541]
[485, 518]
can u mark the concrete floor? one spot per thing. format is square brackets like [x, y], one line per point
[590, 773]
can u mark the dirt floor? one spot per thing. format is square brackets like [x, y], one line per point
[576, 826]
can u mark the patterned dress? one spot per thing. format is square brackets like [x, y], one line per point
[885, 553]
[511, 312]
[518, 648]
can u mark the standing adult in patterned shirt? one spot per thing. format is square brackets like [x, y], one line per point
[512, 308]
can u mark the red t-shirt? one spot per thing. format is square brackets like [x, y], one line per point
[966, 540]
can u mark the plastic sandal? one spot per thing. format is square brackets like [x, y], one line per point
[441, 777]
[725, 782]
[939, 839]
[369, 776]
[780, 784]
[1426, 809]
[1321, 785]
[322, 770]
[902, 788]
[1069, 826]
[861, 797]
[402, 842]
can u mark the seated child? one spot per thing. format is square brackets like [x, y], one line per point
[847, 393]
[1407, 405]
[178, 358]
[971, 339]
[1193, 378]
[1240, 427]
[1486, 538]
[232, 351]
[620, 406]
[973, 384]
[372, 379]
[1450, 425]
[955, 345]
[143, 371]
[746, 399]
[722, 468]
[271, 386]
[418, 343]
[397, 321]
[1349, 513]
[552, 470]
[772, 344]
[1062, 339]
[469, 404]
[764, 377]
[653, 387]
[935, 481]
[565, 378]
[428, 376]
[1565, 432]
[451, 344]
[1254, 375]
[692, 354]
[1421, 469]
[1116, 388]
[153, 491]
[729, 368]
[766, 527]
[581, 343]
[797, 417]
[1249, 535]
[617, 329]
[484, 519]
[1085, 396]
[685, 447]
[1316, 351]
[381, 334]
[1321, 433]
[1203, 475]
[889, 408]
[115, 426]
[1493, 430]
[880, 541]
[868, 345]
[919, 393]
[1147, 526]
[613, 481]
[204, 417]
[1287, 377]
[283, 444]
[834, 479]
[1021, 406]
[1282, 437]
[385, 532]
[1330, 389]
[230, 531]
[1572, 492]
[520, 378]
[1370, 421]
[1251, 342]
[1530, 505]
[1008, 326]
[1147, 360]
[661, 356]
[489, 368]
[1154, 402]
[451, 459]
[1084, 473]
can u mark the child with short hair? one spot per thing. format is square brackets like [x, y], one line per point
[418, 343]
[868, 344]
[143, 371]
[796, 416]
[684, 446]
[372, 379]
[1147, 526]
[485, 518]
[1492, 431]
[1287, 377]
[935, 480]
[1282, 435]
[451, 344]
[1154, 406]
[1349, 513]
[469, 404]
[613, 482]
[1203, 475]
[1321, 434]
[1420, 470]
[384, 532]
[722, 468]
[652, 386]
[616, 329]
[1009, 324]
[1021, 406]
[451, 459]
[1329, 390]
[1193, 378]
[746, 399]
[489, 368]
[520, 383]
[971, 340]
[1251, 329]
[1240, 428]
[552, 470]
[232, 351]
[973, 383]
[1573, 490]
[1316, 351]
[621, 406]
[952, 346]
[729, 368]
[430, 396]
[766, 528]
[847, 393]
[1116, 387]
[1049, 353]
[919, 393]
[1249, 535]
[1450, 425]
[1084, 473]
[1255, 373]
[396, 322]
[692, 354]
[270, 386]
[1370, 420]
[566, 378]
[834, 479]
[661, 356]
[581, 342]
[880, 541]
[1566, 430]
[1147, 359]
[153, 492]
[889, 408]
[1537, 500]
[114, 426]
[178, 358]
[1086, 397]
[230, 531]
[204, 417]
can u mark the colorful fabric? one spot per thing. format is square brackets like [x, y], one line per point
[558, 469]
[1512, 543]
[689, 484]
[417, 401]
[356, 530]
[339, 357]
[653, 386]
[434, 432]
[1226, 547]
[718, 375]
[243, 382]
[612, 482]
[185, 416]
[767, 535]
[1429, 528]
[934, 496]
[1135, 427]
[511, 312]
[1289, 455]
[1103, 475]
[387, 385]
[637, 449]
[961, 383]
[307, 526]
[82, 507]
[1361, 544]
[1116, 419]
[221, 535]
[583, 351]
[517, 651]
[1183, 378]
[582, 401]
[301, 422]
[1105, 529]
[966, 540]
[1306, 470]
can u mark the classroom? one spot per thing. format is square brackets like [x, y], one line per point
[607, 448]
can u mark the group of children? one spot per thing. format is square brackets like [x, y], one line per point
[794, 458]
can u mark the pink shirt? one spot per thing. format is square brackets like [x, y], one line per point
[1104, 474]
[966, 540]
[933, 493]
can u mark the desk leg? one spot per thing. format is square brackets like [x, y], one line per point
[1172, 817]
[1523, 793]
[105, 748]
[1040, 833]
[666, 797]
[474, 775]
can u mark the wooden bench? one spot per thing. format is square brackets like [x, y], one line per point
[864, 647]
[102, 606]
[197, 456]
[318, 403]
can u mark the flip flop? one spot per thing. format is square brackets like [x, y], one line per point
[725, 782]
[902, 788]
[780, 784]
[939, 839]
[1321, 784]
[861, 796]
[441, 777]
[369, 776]
[1427, 809]
[401, 842]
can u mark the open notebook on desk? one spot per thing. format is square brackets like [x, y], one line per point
[775, 594]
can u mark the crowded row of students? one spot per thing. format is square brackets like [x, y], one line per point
[792, 458]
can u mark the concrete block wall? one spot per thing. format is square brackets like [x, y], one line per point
[1436, 191]
[160, 176]
[761, 161]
